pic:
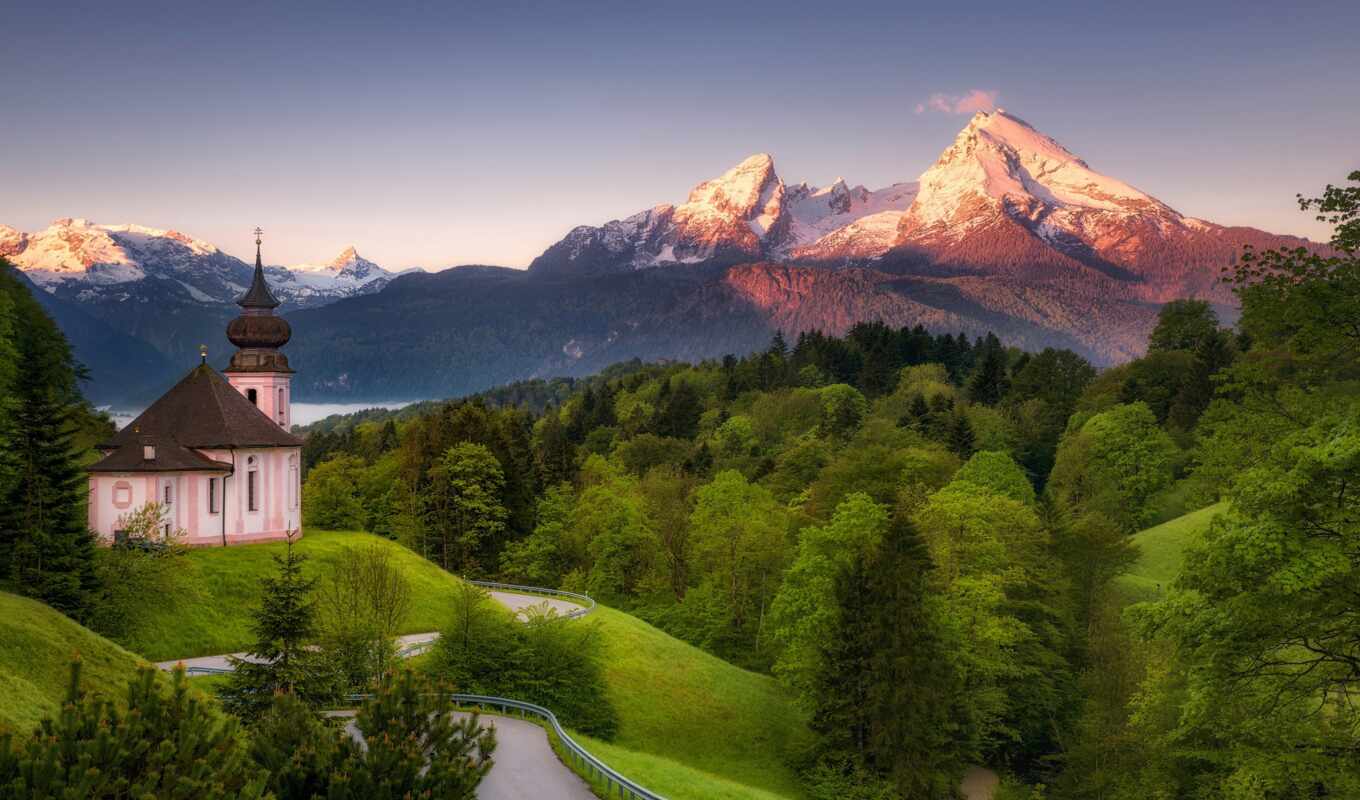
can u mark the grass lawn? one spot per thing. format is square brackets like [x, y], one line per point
[36, 646]
[211, 612]
[690, 724]
[673, 779]
[1162, 552]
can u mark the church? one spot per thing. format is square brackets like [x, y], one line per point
[215, 451]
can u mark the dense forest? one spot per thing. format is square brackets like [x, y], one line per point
[919, 535]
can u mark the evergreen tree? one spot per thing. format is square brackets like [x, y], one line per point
[989, 381]
[961, 439]
[678, 410]
[279, 662]
[46, 549]
[413, 748]
[163, 744]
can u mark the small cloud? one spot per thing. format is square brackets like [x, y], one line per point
[972, 102]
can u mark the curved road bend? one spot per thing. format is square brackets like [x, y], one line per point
[525, 766]
[515, 602]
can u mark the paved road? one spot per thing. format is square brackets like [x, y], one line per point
[525, 768]
[515, 602]
[524, 765]
[519, 602]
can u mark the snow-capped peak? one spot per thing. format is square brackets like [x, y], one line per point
[999, 158]
[739, 190]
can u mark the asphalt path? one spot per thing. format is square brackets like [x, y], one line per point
[517, 603]
[524, 766]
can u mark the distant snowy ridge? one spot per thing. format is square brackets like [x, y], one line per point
[91, 262]
[748, 212]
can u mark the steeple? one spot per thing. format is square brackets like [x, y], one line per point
[257, 332]
[258, 295]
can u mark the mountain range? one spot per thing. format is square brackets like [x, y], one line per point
[1007, 231]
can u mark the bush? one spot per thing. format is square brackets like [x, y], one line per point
[540, 659]
[167, 744]
[413, 747]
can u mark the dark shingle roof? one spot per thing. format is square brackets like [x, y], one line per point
[202, 411]
[170, 456]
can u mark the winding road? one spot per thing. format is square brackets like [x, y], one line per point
[525, 766]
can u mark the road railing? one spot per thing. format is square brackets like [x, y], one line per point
[586, 602]
[581, 759]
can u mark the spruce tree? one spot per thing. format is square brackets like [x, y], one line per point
[280, 662]
[989, 381]
[886, 687]
[961, 439]
[46, 550]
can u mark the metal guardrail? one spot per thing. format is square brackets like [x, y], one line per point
[581, 758]
[587, 602]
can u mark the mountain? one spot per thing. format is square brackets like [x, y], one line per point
[163, 289]
[1007, 201]
[80, 259]
[745, 214]
[1008, 231]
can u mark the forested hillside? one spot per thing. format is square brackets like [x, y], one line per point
[919, 535]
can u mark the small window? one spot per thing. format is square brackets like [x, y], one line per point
[252, 501]
[213, 507]
[122, 494]
[252, 397]
[293, 482]
[280, 405]
[169, 495]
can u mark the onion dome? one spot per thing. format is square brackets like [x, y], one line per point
[257, 332]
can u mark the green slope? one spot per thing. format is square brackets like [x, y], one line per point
[36, 647]
[692, 725]
[1162, 550]
[210, 613]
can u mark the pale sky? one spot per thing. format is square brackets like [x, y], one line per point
[442, 134]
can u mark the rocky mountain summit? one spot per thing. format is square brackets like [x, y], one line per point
[1008, 231]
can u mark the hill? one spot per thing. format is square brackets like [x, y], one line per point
[1162, 550]
[36, 646]
[211, 612]
[690, 724]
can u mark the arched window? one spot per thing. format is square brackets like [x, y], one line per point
[252, 397]
[252, 483]
[279, 407]
[293, 487]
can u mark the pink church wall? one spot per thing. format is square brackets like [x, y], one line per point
[279, 509]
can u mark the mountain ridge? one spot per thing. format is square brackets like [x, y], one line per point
[1007, 231]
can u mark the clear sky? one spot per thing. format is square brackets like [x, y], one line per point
[436, 134]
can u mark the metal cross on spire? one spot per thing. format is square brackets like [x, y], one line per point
[258, 234]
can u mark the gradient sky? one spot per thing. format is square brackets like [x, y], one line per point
[437, 134]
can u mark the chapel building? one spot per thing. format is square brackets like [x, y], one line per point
[215, 451]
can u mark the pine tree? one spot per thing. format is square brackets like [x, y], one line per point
[415, 746]
[989, 381]
[280, 661]
[164, 744]
[45, 547]
[961, 439]
[885, 687]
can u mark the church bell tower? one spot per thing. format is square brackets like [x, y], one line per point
[258, 370]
